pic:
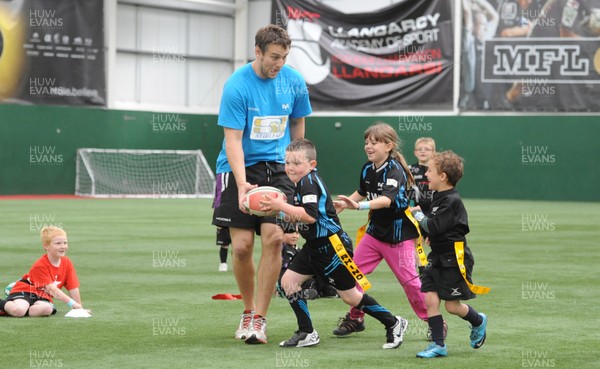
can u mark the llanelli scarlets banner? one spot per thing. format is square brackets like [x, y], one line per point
[399, 57]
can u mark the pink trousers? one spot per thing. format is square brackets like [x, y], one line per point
[401, 258]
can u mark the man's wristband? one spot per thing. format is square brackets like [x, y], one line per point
[364, 205]
[71, 303]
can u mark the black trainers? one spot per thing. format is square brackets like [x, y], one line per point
[301, 339]
[347, 325]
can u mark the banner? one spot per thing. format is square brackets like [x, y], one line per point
[536, 55]
[399, 57]
[52, 52]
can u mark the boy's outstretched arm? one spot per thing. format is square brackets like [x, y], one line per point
[56, 293]
[75, 295]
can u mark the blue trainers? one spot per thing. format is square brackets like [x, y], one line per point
[433, 351]
[478, 333]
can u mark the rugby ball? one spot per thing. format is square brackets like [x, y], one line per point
[253, 198]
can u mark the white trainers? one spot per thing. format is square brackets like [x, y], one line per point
[258, 331]
[301, 339]
[395, 334]
[223, 267]
[245, 324]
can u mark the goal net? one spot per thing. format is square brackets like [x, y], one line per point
[143, 173]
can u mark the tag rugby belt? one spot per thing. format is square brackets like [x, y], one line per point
[459, 251]
[341, 252]
[419, 243]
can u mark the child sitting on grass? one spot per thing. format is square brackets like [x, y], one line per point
[32, 295]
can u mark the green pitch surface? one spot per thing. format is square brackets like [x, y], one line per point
[148, 269]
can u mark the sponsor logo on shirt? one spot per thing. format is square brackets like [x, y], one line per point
[268, 128]
[309, 199]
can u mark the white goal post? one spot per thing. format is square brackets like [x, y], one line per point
[143, 173]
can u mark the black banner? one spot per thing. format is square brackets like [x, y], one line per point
[400, 57]
[538, 55]
[52, 52]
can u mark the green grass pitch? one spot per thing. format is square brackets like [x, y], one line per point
[148, 269]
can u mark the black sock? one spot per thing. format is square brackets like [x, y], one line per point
[223, 254]
[371, 307]
[298, 304]
[436, 323]
[2, 302]
[473, 317]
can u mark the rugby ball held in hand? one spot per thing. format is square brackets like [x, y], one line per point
[253, 198]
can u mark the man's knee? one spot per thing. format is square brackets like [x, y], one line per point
[272, 236]
[242, 243]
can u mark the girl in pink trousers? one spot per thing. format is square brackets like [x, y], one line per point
[390, 235]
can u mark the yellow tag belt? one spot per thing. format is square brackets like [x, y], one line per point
[341, 252]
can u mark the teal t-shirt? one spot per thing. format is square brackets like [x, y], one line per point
[262, 108]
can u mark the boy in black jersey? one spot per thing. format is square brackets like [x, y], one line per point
[424, 151]
[317, 220]
[441, 278]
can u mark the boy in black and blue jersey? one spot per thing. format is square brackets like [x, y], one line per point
[317, 220]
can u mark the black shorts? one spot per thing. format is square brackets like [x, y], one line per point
[226, 210]
[443, 276]
[319, 258]
[223, 236]
[31, 298]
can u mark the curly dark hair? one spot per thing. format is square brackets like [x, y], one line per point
[450, 163]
